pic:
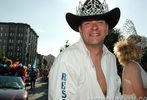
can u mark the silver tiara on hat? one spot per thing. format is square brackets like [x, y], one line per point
[143, 42]
[92, 7]
[129, 29]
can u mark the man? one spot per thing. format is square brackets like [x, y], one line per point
[87, 70]
[33, 75]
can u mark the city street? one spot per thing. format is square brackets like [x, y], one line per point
[40, 92]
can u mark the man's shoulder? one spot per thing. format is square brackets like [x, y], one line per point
[71, 50]
[109, 54]
[70, 54]
[107, 51]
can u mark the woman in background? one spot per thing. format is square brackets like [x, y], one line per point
[134, 78]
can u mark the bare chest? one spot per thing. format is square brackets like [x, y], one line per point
[100, 77]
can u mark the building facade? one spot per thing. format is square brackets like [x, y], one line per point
[19, 42]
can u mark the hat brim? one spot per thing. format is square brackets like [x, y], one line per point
[111, 17]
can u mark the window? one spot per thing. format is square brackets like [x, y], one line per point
[10, 41]
[4, 47]
[12, 28]
[18, 41]
[18, 48]
[17, 54]
[4, 41]
[1, 28]
[5, 34]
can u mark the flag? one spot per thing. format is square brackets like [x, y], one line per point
[35, 63]
[16, 62]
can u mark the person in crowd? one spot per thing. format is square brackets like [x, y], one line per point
[7, 69]
[40, 72]
[1, 66]
[21, 72]
[134, 78]
[87, 70]
[33, 75]
[45, 74]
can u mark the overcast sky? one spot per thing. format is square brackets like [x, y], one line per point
[47, 18]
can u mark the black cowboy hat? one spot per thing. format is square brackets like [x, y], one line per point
[111, 17]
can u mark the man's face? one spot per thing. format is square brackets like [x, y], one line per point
[93, 32]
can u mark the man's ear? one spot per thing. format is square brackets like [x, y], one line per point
[80, 30]
[107, 29]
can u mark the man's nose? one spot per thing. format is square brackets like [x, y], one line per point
[94, 26]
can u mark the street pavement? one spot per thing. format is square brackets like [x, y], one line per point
[40, 92]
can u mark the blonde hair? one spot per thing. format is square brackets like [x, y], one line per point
[125, 52]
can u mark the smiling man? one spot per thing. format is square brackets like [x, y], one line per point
[87, 69]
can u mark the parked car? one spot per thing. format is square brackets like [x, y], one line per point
[12, 88]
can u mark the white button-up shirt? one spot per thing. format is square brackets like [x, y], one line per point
[73, 75]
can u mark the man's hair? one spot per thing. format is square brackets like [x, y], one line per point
[126, 52]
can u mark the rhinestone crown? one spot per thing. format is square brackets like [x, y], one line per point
[143, 42]
[91, 7]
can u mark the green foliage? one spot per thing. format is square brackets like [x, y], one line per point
[144, 60]
[113, 37]
[2, 55]
[65, 46]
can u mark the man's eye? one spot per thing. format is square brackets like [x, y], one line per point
[86, 23]
[100, 22]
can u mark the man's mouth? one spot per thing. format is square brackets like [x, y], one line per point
[94, 34]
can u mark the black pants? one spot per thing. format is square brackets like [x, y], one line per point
[33, 83]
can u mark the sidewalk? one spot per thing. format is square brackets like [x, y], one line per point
[40, 92]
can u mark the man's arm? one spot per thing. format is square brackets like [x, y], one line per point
[62, 82]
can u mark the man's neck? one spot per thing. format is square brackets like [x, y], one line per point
[95, 50]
